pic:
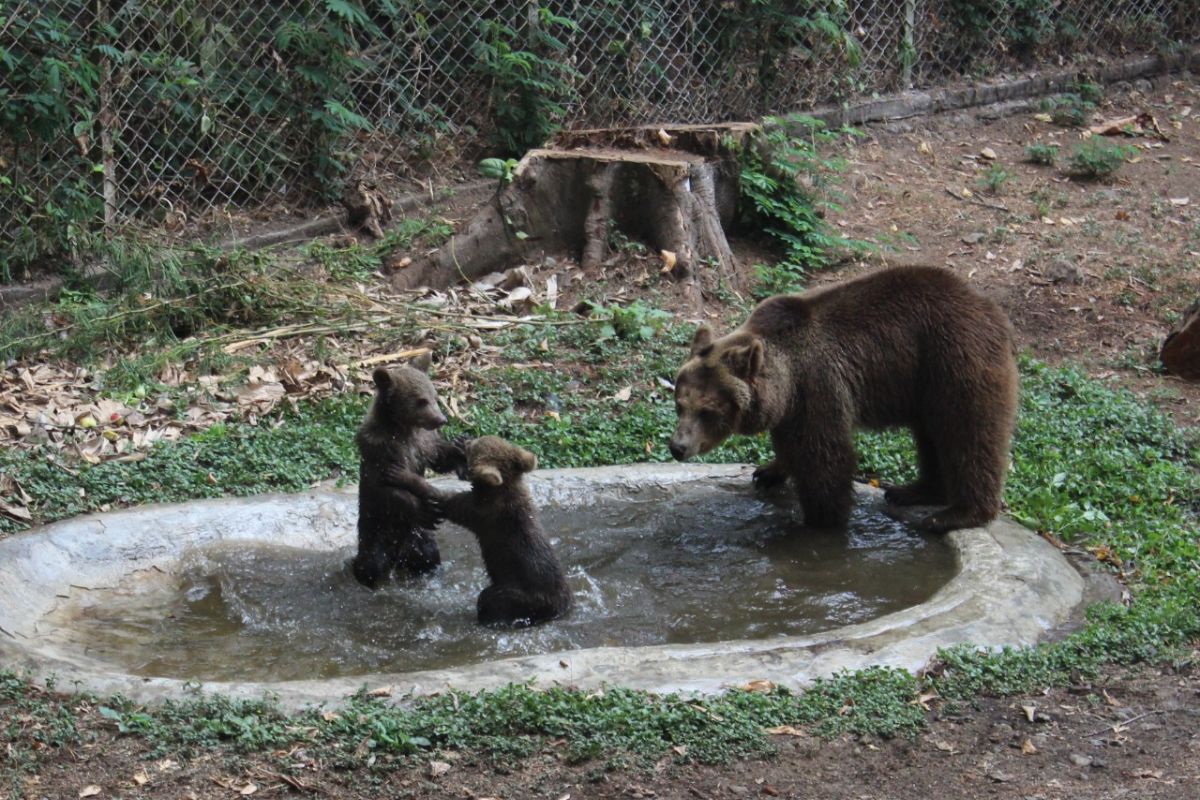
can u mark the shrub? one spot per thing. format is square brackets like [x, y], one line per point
[1094, 159]
[1044, 154]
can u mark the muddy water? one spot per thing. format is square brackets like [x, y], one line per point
[705, 566]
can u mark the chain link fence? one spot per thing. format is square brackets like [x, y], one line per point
[165, 112]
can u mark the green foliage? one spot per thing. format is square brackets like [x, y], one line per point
[775, 34]
[529, 79]
[1030, 25]
[776, 167]
[994, 178]
[635, 322]
[499, 170]
[1096, 159]
[1071, 110]
[48, 93]
[196, 725]
[321, 54]
[1021, 27]
[160, 298]
[1042, 154]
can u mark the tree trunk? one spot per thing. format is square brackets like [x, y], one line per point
[674, 188]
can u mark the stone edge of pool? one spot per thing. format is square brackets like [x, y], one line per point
[1013, 588]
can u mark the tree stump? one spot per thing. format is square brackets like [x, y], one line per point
[1181, 350]
[673, 187]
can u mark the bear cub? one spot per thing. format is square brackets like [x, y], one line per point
[911, 347]
[528, 585]
[395, 526]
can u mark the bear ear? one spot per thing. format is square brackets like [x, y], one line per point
[702, 339]
[527, 461]
[745, 362]
[382, 378]
[488, 475]
[422, 362]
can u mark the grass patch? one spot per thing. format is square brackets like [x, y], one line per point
[1092, 465]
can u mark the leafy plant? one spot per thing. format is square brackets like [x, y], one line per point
[995, 178]
[498, 169]
[1043, 154]
[785, 191]
[529, 80]
[1096, 159]
[634, 322]
[1068, 110]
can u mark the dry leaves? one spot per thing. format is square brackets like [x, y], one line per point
[784, 730]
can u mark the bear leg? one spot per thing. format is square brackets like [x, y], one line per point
[373, 561]
[821, 463]
[928, 489]
[418, 554]
[505, 605]
[975, 457]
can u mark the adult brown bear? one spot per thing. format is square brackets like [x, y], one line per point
[911, 346]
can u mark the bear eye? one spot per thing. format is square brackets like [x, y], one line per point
[422, 403]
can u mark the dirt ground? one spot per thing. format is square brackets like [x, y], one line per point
[1093, 273]
[1126, 735]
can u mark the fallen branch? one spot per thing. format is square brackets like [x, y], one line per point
[976, 201]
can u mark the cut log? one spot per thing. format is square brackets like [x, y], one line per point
[1181, 350]
[674, 188]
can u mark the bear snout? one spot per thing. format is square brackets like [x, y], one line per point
[678, 451]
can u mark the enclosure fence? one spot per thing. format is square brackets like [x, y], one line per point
[168, 111]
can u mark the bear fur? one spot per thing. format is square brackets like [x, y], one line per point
[399, 431]
[528, 585]
[910, 346]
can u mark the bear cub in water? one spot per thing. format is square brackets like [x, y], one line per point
[528, 585]
[395, 526]
[911, 346]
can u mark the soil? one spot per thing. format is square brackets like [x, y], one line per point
[1091, 273]
[1124, 735]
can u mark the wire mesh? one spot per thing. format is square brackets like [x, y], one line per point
[149, 109]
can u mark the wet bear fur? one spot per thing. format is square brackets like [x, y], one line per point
[911, 346]
[395, 527]
[528, 585]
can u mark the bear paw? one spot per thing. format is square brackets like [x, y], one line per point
[953, 519]
[768, 475]
[914, 494]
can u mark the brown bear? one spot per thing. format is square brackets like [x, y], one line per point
[910, 346]
[399, 431]
[527, 582]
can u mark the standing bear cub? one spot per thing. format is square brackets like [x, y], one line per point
[400, 431]
[527, 583]
[911, 346]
